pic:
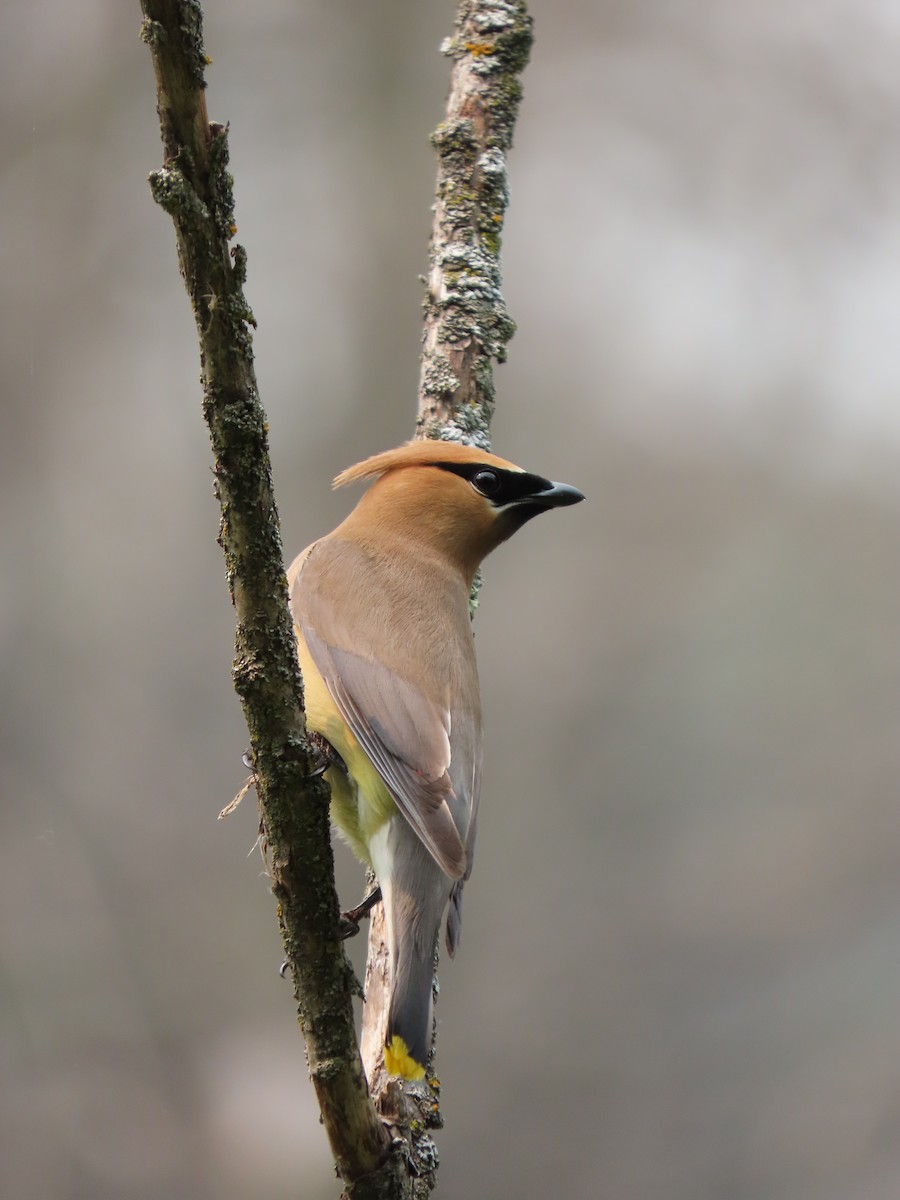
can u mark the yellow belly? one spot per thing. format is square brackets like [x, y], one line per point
[360, 800]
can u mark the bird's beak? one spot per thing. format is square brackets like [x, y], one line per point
[558, 495]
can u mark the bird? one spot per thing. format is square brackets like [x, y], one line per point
[386, 648]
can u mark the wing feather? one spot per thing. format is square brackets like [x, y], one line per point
[405, 732]
[407, 742]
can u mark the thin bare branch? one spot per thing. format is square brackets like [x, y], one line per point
[194, 187]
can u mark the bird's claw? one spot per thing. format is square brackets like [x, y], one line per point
[348, 927]
[325, 755]
[349, 920]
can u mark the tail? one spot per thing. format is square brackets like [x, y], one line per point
[410, 1010]
[415, 892]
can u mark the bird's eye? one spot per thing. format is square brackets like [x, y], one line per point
[487, 482]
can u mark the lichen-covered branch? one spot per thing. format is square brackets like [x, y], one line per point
[466, 322]
[466, 330]
[194, 187]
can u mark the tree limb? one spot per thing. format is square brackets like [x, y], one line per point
[466, 322]
[195, 188]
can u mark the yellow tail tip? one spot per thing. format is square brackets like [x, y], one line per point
[399, 1061]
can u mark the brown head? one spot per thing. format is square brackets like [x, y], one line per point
[454, 500]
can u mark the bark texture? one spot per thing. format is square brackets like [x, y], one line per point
[194, 187]
[467, 325]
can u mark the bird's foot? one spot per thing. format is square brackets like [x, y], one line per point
[349, 920]
[325, 755]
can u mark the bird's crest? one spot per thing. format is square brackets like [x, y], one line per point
[419, 454]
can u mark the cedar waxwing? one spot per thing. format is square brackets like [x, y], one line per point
[381, 609]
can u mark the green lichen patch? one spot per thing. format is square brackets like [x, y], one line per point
[438, 378]
[221, 182]
[153, 34]
[455, 143]
[191, 29]
[173, 192]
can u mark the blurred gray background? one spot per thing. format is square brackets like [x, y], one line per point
[680, 971]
